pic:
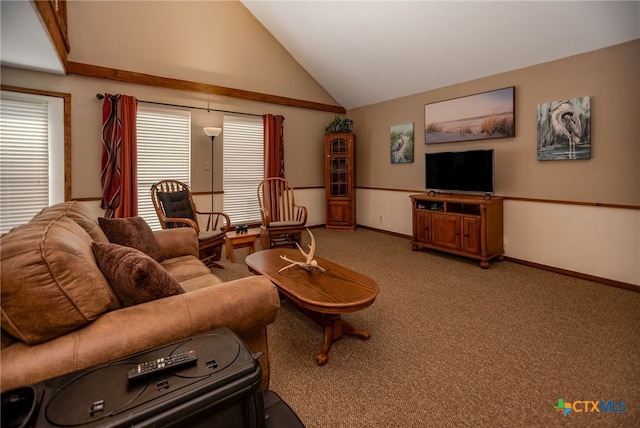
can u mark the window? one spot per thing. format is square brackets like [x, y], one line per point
[32, 155]
[164, 152]
[243, 157]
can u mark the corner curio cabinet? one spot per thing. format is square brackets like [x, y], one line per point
[340, 181]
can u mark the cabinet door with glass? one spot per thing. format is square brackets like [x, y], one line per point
[340, 181]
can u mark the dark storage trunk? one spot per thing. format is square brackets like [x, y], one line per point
[221, 389]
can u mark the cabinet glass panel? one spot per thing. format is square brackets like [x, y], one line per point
[339, 164]
[339, 189]
[339, 177]
[338, 146]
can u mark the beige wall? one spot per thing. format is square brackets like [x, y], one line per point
[612, 175]
[218, 43]
[589, 239]
[215, 42]
[304, 129]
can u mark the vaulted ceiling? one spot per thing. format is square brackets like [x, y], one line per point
[365, 52]
[24, 42]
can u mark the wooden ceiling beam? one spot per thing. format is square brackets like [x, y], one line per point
[186, 85]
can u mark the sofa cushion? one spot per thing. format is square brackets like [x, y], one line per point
[50, 281]
[135, 277]
[199, 282]
[132, 232]
[177, 242]
[185, 267]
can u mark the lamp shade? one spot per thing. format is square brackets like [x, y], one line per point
[212, 131]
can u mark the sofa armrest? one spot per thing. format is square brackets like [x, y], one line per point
[246, 306]
[179, 241]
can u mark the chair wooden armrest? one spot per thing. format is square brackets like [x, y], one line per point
[173, 221]
[264, 214]
[216, 221]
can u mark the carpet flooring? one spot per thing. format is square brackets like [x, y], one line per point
[455, 345]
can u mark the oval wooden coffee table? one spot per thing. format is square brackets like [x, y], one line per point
[323, 296]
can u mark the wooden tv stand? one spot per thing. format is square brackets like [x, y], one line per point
[465, 225]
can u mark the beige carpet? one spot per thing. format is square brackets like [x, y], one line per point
[456, 345]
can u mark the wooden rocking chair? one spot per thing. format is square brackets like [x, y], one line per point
[174, 207]
[282, 220]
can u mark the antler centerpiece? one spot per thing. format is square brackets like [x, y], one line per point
[309, 264]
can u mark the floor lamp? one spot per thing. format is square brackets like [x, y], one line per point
[212, 132]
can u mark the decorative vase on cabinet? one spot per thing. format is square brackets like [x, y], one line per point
[340, 181]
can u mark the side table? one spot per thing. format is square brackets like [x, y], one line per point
[241, 240]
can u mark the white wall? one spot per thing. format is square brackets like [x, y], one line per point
[393, 207]
[314, 200]
[599, 241]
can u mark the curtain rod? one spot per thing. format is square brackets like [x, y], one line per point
[101, 96]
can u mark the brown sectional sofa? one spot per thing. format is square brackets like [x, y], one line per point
[60, 314]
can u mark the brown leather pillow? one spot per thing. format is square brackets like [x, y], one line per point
[132, 232]
[135, 277]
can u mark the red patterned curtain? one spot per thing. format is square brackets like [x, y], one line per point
[273, 146]
[119, 156]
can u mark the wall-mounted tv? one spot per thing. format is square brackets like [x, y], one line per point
[468, 171]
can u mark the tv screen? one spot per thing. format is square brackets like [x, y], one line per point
[469, 171]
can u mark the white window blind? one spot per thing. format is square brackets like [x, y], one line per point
[243, 157]
[31, 156]
[164, 152]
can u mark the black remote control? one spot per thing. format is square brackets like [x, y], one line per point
[149, 368]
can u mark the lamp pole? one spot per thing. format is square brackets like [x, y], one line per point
[212, 193]
[212, 132]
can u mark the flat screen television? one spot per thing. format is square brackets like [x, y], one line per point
[468, 171]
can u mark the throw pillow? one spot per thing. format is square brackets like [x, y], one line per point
[132, 232]
[135, 277]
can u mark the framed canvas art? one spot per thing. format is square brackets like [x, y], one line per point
[475, 117]
[401, 143]
[564, 129]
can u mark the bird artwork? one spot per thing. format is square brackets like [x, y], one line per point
[566, 122]
[309, 264]
[396, 149]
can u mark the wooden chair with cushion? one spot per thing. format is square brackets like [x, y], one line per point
[174, 206]
[282, 220]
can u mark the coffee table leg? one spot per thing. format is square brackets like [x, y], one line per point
[332, 332]
[323, 356]
[352, 331]
[334, 328]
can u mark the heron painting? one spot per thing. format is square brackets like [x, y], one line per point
[401, 143]
[564, 129]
